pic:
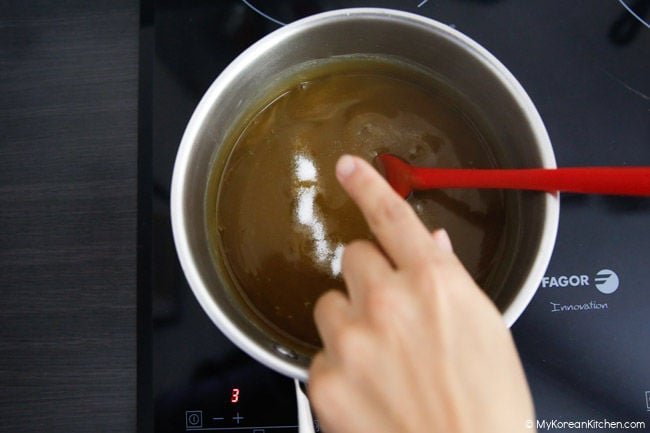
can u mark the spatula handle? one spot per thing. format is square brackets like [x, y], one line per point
[594, 180]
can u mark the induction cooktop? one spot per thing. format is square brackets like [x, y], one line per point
[585, 338]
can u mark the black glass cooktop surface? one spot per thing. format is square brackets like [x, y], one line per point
[585, 338]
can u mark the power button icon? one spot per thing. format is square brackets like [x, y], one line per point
[193, 419]
[647, 400]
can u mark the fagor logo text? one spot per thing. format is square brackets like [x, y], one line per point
[605, 280]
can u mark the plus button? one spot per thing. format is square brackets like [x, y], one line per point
[237, 418]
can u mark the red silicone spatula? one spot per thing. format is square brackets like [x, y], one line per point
[404, 178]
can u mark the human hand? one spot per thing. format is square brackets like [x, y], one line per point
[415, 346]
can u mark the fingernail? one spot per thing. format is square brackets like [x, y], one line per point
[441, 238]
[345, 166]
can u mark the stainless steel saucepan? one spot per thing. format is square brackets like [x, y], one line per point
[460, 61]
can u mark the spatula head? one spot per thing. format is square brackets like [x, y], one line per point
[396, 171]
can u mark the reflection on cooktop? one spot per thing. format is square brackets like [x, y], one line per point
[285, 12]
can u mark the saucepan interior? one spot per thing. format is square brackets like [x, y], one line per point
[462, 63]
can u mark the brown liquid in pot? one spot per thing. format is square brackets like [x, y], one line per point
[282, 219]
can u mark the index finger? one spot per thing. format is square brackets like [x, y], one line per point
[398, 229]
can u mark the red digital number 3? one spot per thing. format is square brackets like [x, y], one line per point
[234, 396]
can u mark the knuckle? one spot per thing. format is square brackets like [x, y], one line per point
[382, 301]
[425, 278]
[352, 252]
[358, 261]
[389, 209]
[348, 340]
[331, 311]
[390, 308]
[433, 288]
[352, 345]
[325, 303]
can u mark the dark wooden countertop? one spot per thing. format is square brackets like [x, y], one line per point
[68, 215]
